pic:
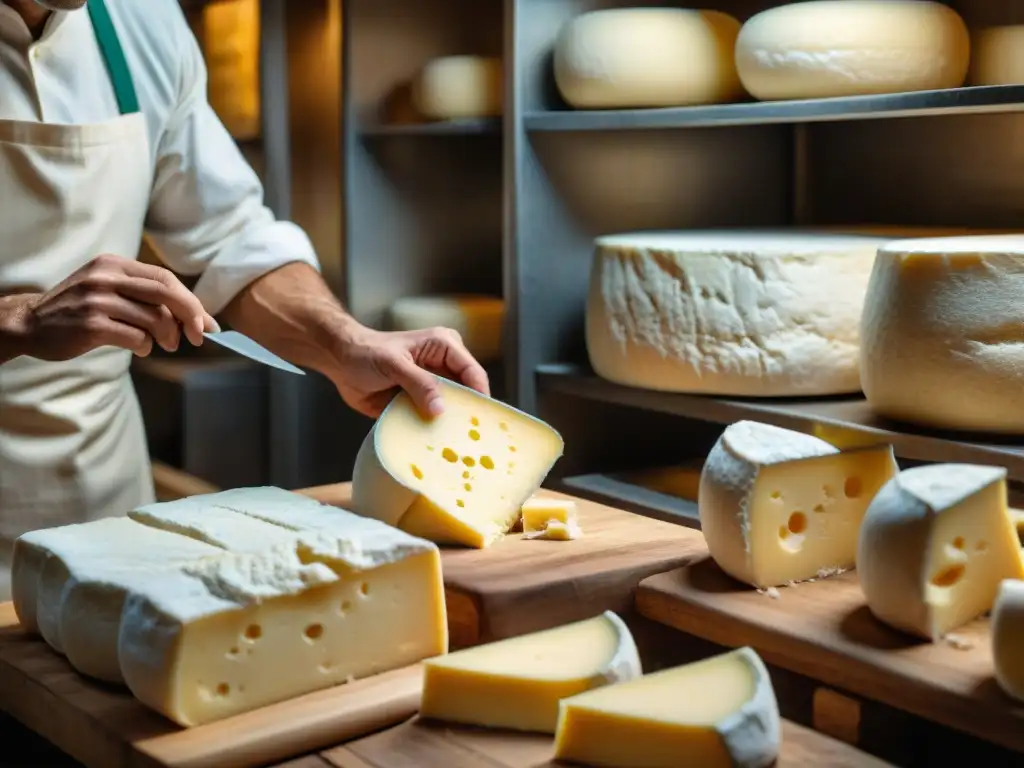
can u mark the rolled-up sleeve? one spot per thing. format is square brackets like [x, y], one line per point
[206, 213]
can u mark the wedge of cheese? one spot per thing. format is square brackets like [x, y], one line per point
[935, 544]
[1008, 638]
[459, 478]
[716, 713]
[518, 683]
[552, 519]
[778, 506]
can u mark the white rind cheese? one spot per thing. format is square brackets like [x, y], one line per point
[647, 57]
[778, 506]
[935, 543]
[478, 319]
[517, 683]
[997, 55]
[1008, 638]
[459, 87]
[458, 478]
[766, 314]
[717, 713]
[942, 341]
[828, 48]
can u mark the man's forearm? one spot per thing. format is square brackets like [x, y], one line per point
[293, 313]
[13, 325]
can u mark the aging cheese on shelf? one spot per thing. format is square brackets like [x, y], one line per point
[647, 57]
[517, 683]
[753, 313]
[935, 544]
[681, 481]
[778, 506]
[717, 713]
[457, 87]
[478, 319]
[941, 333]
[553, 519]
[458, 478]
[829, 48]
[1007, 629]
[997, 56]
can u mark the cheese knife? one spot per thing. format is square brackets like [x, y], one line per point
[243, 345]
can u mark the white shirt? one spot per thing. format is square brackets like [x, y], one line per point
[206, 214]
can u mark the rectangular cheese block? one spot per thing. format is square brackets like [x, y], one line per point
[553, 519]
[517, 683]
[716, 713]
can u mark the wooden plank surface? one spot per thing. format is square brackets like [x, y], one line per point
[824, 630]
[518, 585]
[420, 744]
[105, 727]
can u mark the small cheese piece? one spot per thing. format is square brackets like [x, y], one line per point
[830, 48]
[553, 519]
[778, 506]
[478, 319]
[764, 314]
[1008, 638]
[934, 546]
[682, 481]
[647, 57]
[998, 56]
[943, 345]
[458, 478]
[454, 87]
[717, 713]
[517, 683]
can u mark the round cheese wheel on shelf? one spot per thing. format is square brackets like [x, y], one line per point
[770, 313]
[830, 48]
[459, 87]
[647, 57]
[998, 56]
[942, 335]
[478, 319]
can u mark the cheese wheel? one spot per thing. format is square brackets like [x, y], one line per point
[647, 57]
[770, 313]
[998, 56]
[478, 319]
[942, 338]
[1008, 638]
[852, 47]
[454, 87]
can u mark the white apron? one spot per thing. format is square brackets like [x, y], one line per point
[72, 443]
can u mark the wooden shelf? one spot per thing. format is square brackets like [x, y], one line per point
[474, 127]
[618, 492]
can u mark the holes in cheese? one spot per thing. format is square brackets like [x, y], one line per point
[1007, 629]
[438, 506]
[552, 519]
[517, 683]
[935, 543]
[769, 506]
[717, 713]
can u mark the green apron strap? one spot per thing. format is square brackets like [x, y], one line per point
[113, 55]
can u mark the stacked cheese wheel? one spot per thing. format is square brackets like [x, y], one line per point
[478, 319]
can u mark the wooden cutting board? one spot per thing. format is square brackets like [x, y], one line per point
[824, 630]
[519, 585]
[417, 744]
[105, 727]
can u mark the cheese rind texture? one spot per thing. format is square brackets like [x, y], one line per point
[765, 314]
[647, 57]
[778, 506]
[458, 478]
[827, 48]
[552, 519]
[997, 56]
[934, 546]
[517, 683]
[478, 319]
[1007, 629]
[717, 713]
[942, 342]
[459, 87]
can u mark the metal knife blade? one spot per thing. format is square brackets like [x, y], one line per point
[246, 347]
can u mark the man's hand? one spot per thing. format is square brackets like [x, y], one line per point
[110, 301]
[375, 364]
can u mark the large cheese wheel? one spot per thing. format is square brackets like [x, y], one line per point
[478, 319]
[770, 313]
[647, 57]
[852, 47]
[998, 56]
[943, 337]
[455, 87]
